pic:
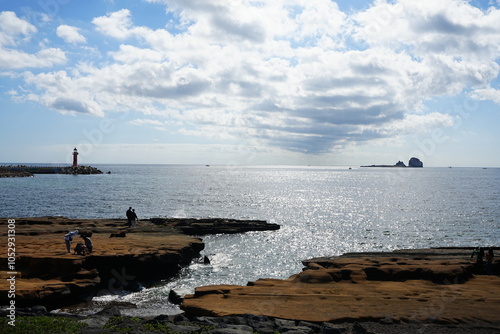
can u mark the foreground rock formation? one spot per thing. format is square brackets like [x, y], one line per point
[46, 274]
[438, 285]
[110, 320]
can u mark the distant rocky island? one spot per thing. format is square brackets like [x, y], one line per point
[414, 162]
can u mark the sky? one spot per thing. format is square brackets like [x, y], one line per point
[250, 82]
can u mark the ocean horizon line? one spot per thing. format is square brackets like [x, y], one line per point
[220, 165]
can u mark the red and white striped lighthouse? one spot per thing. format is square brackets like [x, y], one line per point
[75, 157]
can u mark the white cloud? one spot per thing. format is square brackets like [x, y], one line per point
[13, 31]
[130, 54]
[13, 59]
[116, 24]
[416, 124]
[70, 34]
[65, 94]
[452, 39]
[490, 94]
[11, 27]
[147, 122]
[422, 24]
[320, 19]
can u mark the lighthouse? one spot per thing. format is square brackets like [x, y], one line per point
[75, 157]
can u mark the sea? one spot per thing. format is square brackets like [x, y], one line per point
[322, 211]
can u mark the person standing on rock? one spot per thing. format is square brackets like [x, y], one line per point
[134, 219]
[68, 238]
[129, 216]
[489, 261]
[479, 260]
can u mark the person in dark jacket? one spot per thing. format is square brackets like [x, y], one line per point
[130, 216]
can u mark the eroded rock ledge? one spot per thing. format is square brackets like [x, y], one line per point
[400, 287]
[48, 275]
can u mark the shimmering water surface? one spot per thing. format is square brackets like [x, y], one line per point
[322, 210]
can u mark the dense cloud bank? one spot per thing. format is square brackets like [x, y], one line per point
[300, 75]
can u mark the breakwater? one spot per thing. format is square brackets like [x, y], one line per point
[26, 171]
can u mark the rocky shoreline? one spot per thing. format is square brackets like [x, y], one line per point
[437, 290]
[48, 275]
[407, 291]
[110, 320]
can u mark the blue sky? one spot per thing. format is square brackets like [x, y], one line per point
[311, 82]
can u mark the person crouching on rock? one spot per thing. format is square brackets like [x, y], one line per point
[81, 249]
[88, 242]
[68, 238]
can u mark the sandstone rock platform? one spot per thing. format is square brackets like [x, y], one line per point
[438, 285]
[46, 274]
